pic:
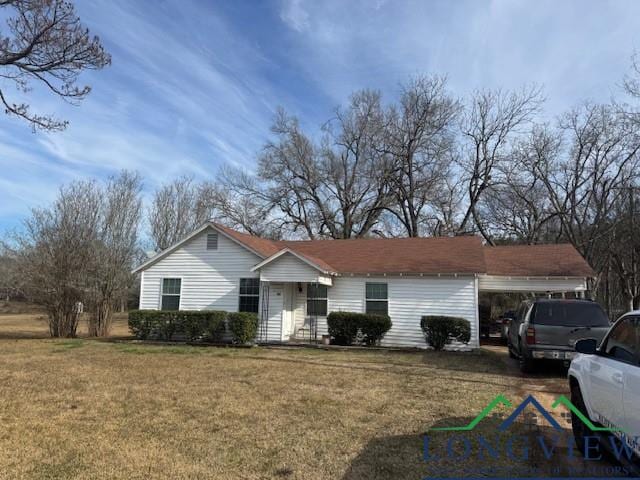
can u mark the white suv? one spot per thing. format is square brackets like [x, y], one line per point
[605, 385]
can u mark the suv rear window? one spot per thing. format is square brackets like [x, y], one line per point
[569, 314]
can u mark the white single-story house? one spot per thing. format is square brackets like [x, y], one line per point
[293, 285]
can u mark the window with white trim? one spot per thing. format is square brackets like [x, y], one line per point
[171, 288]
[212, 241]
[316, 300]
[377, 298]
[249, 300]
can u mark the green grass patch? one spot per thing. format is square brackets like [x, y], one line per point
[159, 349]
[71, 344]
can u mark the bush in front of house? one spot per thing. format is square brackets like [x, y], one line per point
[373, 328]
[243, 326]
[215, 325]
[141, 323]
[343, 327]
[346, 327]
[440, 331]
[205, 323]
[165, 324]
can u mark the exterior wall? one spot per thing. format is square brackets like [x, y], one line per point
[289, 268]
[531, 284]
[210, 278]
[409, 299]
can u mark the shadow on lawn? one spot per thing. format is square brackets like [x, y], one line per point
[402, 456]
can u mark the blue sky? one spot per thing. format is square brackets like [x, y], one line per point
[195, 84]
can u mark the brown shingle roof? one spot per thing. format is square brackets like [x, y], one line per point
[561, 260]
[427, 255]
[396, 255]
[264, 247]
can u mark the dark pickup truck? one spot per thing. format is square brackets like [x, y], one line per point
[548, 329]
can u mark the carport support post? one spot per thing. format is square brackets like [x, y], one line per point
[477, 314]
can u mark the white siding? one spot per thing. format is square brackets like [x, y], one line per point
[409, 299]
[531, 284]
[210, 278]
[289, 268]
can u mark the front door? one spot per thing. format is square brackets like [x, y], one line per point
[288, 318]
[274, 325]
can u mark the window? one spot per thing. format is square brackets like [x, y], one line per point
[212, 241]
[316, 300]
[249, 295]
[377, 298]
[569, 314]
[171, 293]
[622, 343]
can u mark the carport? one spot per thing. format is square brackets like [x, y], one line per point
[535, 269]
[514, 273]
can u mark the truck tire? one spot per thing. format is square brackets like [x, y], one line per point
[579, 429]
[526, 363]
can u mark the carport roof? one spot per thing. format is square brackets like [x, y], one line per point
[558, 260]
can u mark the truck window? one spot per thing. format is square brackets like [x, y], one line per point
[622, 343]
[569, 314]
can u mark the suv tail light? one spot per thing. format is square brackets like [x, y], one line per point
[531, 336]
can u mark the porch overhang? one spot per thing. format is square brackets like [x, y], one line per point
[289, 266]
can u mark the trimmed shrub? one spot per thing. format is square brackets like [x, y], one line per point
[198, 324]
[165, 324]
[243, 326]
[216, 325]
[440, 331]
[192, 324]
[373, 328]
[141, 323]
[345, 328]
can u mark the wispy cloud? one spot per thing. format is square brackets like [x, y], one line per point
[194, 84]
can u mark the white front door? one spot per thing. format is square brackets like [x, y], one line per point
[288, 317]
[274, 325]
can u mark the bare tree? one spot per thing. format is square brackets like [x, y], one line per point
[10, 284]
[338, 188]
[421, 141]
[47, 45]
[588, 181]
[177, 209]
[241, 202]
[115, 250]
[489, 125]
[624, 247]
[517, 206]
[55, 252]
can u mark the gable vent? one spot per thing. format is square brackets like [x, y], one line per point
[212, 241]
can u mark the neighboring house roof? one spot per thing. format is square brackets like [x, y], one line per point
[558, 260]
[433, 255]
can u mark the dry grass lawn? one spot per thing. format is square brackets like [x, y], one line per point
[95, 409]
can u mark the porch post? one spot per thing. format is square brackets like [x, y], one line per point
[263, 329]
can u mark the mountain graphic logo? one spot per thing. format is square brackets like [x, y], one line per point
[532, 402]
